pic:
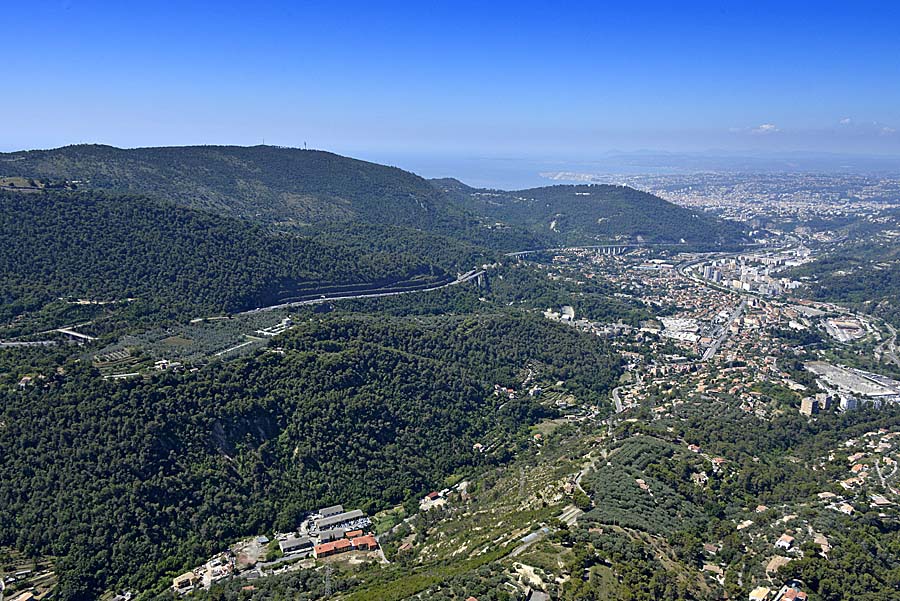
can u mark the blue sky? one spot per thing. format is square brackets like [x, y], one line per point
[549, 79]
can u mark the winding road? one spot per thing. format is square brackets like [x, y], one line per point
[617, 399]
[888, 348]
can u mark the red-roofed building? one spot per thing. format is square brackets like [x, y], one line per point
[365, 543]
[333, 548]
[793, 594]
[354, 533]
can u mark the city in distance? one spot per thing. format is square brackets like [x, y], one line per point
[360, 303]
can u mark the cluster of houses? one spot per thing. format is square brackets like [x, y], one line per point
[791, 591]
[218, 568]
[566, 314]
[868, 460]
[355, 540]
[330, 531]
[333, 531]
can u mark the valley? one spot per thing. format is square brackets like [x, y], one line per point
[507, 409]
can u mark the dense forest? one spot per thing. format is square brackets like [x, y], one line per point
[179, 261]
[128, 481]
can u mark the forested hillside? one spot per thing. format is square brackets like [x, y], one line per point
[127, 481]
[179, 261]
[266, 183]
[577, 214]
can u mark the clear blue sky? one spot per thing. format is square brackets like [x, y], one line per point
[548, 78]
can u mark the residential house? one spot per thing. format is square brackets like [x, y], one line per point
[785, 541]
[185, 583]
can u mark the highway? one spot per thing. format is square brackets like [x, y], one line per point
[888, 348]
[466, 277]
[723, 336]
[73, 334]
[613, 247]
[67, 330]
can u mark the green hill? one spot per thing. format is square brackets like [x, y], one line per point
[266, 183]
[594, 213]
[125, 482]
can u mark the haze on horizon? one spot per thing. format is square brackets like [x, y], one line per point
[458, 83]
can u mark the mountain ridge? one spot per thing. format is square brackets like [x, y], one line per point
[265, 183]
[311, 188]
